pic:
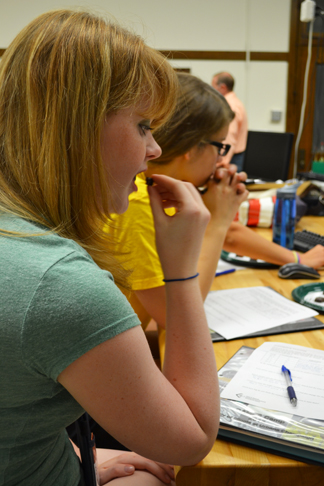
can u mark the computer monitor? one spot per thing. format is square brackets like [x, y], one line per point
[267, 155]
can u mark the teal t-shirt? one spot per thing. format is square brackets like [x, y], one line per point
[56, 304]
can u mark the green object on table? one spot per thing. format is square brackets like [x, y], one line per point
[318, 167]
[300, 293]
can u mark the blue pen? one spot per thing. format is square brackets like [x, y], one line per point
[290, 390]
[224, 272]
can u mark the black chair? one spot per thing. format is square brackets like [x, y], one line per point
[267, 155]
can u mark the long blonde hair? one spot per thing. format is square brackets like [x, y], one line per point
[59, 79]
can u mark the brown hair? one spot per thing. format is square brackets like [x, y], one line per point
[59, 79]
[200, 113]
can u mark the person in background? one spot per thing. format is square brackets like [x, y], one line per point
[238, 129]
[79, 97]
[192, 150]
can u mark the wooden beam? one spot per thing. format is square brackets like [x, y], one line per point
[205, 55]
[227, 55]
[221, 55]
[269, 56]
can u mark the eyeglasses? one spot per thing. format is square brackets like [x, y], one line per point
[223, 148]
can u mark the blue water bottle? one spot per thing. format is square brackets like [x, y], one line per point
[284, 217]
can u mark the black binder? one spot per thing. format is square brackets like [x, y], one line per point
[309, 324]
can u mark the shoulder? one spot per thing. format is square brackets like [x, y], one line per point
[33, 249]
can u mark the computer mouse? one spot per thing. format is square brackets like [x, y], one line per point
[297, 270]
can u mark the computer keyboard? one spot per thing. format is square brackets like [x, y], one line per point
[311, 176]
[306, 240]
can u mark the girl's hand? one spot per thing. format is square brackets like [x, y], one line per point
[126, 464]
[242, 176]
[178, 237]
[314, 257]
[225, 193]
[230, 169]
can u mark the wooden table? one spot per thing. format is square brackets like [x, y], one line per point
[236, 465]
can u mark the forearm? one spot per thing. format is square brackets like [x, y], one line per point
[154, 300]
[244, 241]
[210, 254]
[154, 303]
[189, 363]
[224, 195]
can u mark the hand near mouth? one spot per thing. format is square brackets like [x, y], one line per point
[219, 174]
[225, 193]
[178, 237]
[231, 171]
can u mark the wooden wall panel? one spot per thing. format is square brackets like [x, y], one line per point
[297, 64]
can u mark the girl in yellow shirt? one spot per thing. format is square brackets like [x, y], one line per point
[192, 151]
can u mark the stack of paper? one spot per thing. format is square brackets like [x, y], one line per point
[261, 382]
[255, 407]
[239, 312]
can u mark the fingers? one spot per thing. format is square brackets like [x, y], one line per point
[162, 471]
[242, 176]
[230, 171]
[169, 192]
[126, 464]
[168, 187]
[314, 257]
[106, 474]
[231, 177]
[178, 253]
[222, 173]
[242, 191]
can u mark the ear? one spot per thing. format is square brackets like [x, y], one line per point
[183, 158]
[190, 154]
[222, 88]
[180, 164]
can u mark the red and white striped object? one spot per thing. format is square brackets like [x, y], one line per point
[257, 212]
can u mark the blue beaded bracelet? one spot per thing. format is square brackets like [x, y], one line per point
[180, 279]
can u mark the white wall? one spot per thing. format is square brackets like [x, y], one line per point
[207, 25]
[262, 86]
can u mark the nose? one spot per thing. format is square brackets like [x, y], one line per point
[153, 150]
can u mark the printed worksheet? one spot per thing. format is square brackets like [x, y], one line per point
[261, 382]
[236, 312]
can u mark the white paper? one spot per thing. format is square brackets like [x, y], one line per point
[261, 382]
[237, 312]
